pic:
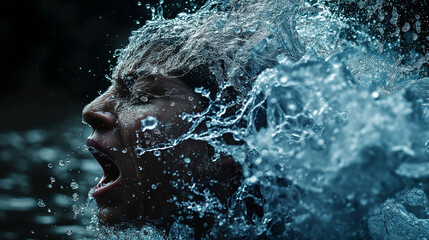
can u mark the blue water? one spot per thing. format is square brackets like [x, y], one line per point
[333, 116]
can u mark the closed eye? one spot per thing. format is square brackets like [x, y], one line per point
[142, 99]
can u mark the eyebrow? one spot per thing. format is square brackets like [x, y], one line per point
[119, 81]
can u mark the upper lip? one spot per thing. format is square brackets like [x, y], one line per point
[111, 170]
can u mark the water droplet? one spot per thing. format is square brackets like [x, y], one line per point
[144, 98]
[157, 153]
[291, 107]
[76, 209]
[148, 123]
[139, 152]
[61, 163]
[41, 203]
[74, 185]
[375, 95]
[75, 197]
[406, 27]
[69, 232]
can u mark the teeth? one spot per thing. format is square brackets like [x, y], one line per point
[102, 185]
[106, 184]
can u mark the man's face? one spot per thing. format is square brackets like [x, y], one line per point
[139, 184]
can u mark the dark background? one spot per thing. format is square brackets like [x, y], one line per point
[56, 54]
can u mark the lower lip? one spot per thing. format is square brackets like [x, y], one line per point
[101, 188]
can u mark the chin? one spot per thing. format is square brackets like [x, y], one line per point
[114, 216]
[110, 216]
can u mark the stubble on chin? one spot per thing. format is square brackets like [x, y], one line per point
[109, 216]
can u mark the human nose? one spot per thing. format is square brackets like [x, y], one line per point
[99, 115]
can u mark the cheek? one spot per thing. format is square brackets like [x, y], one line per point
[151, 124]
[144, 130]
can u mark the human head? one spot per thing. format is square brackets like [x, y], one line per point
[155, 78]
[145, 187]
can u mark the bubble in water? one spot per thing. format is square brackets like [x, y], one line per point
[187, 160]
[149, 123]
[154, 186]
[41, 203]
[74, 185]
[69, 232]
[157, 153]
[52, 179]
[50, 165]
[139, 3]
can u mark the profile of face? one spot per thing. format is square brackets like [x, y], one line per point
[144, 186]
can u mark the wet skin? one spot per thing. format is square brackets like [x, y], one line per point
[140, 187]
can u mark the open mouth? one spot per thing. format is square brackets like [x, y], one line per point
[110, 169]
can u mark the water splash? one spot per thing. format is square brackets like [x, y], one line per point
[331, 133]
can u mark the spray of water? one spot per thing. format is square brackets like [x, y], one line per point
[332, 117]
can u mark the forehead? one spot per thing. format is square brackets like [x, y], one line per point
[137, 83]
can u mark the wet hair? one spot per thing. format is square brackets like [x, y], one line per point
[224, 42]
[222, 47]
